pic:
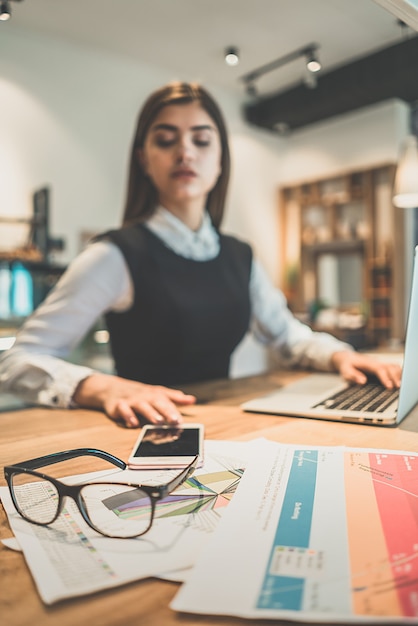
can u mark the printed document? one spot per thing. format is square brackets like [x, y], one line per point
[68, 558]
[314, 534]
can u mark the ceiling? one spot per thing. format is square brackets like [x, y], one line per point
[188, 37]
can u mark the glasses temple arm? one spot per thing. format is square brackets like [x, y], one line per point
[182, 477]
[57, 457]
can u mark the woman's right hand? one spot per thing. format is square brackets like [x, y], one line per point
[123, 400]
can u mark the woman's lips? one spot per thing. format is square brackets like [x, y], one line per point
[183, 173]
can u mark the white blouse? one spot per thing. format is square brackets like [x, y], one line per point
[98, 280]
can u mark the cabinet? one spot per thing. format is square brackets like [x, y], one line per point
[342, 243]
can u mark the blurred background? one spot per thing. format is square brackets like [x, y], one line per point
[319, 101]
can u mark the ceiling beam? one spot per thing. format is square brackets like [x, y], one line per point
[385, 74]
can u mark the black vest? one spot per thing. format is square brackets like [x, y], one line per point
[187, 316]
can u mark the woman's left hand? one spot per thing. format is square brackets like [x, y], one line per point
[354, 366]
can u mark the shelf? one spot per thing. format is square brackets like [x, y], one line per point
[336, 246]
[341, 243]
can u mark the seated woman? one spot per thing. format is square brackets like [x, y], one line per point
[178, 295]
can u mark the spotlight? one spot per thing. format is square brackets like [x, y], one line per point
[231, 56]
[312, 63]
[5, 11]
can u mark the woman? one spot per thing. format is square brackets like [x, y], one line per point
[177, 295]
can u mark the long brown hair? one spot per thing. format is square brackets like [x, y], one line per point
[141, 197]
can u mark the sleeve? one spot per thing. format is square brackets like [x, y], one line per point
[273, 324]
[34, 368]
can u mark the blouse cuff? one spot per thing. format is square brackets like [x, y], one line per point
[60, 391]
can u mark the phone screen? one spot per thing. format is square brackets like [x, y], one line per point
[172, 441]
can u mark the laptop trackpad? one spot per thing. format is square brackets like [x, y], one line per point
[317, 385]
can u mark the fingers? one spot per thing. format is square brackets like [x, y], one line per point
[355, 367]
[122, 411]
[158, 413]
[352, 374]
[177, 396]
[130, 402]
[159, 410]
[155, 404]
[389, 374]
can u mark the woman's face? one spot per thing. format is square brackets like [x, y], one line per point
[182, 156]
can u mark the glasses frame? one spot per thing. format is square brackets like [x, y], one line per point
[154, 492]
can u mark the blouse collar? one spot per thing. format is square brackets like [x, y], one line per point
[199, 245]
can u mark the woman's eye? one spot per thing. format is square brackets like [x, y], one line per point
[201, 143]
[164, 142]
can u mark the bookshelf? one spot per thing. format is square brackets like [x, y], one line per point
[339, 269]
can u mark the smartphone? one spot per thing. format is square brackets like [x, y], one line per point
[167, 446]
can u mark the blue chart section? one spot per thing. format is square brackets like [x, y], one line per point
[291, 541]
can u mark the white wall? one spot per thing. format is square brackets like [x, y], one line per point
[67, 116]
[362, 138]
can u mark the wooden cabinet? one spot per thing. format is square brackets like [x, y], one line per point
[342, 243]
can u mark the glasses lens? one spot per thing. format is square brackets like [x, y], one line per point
[117, 510]
[36, 498]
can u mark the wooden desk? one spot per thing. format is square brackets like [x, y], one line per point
[33, 432]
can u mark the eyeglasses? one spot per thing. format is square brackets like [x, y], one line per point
[122, 510]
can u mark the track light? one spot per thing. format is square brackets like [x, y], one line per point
[312, 63]
[5, 11]
[231, 56]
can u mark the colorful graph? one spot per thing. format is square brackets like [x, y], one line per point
[382, 532]
[199, 493]
[381, 508]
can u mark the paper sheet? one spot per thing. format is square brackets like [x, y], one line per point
[68, 558]
[314, 534]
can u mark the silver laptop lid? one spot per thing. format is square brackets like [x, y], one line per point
[408, 395]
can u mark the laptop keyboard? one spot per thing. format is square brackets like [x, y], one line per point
[371, 397]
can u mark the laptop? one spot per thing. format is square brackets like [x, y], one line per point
[328, 396]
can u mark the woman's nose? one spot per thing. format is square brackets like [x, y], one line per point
[185, 150]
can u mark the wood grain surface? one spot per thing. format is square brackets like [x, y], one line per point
[34, 432]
